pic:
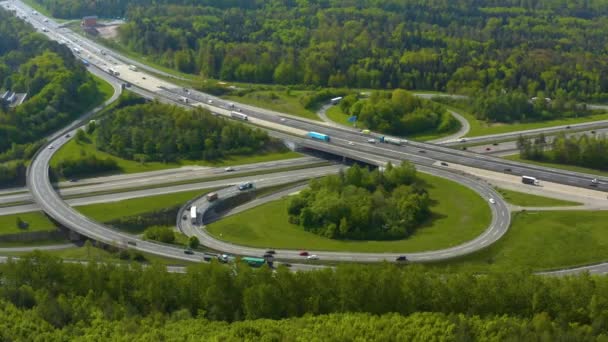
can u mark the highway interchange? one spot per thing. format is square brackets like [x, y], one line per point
[345, 142]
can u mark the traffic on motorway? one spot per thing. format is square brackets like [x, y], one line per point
[350, 143]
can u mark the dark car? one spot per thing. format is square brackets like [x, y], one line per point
[592, 132]
[185, 217]
[488, 149]
[508, 169]
[567, 126]
[271, 251]
[286, 264]
[188, 251]
[132, 243]
[303, 253]
[444, 164]
[401, 258]
[268, 256]
[495, 144]
[464, 148]
[422, 151]
[73, 180]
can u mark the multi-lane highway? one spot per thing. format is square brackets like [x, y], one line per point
[344, 142]
[161, 179]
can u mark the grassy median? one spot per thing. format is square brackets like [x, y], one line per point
[459, 215]
[529, 200]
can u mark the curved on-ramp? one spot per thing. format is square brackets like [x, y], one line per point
[499, 225]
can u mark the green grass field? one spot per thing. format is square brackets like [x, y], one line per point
[529, 200]
[541, 241]
[74, 149]
[559, 166]
[105, 88]
[105, 212]
[453, 222]
[335, 114]
[38, 222]
[277, 100]
[479, 128]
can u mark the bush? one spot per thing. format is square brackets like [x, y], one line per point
[161, 234]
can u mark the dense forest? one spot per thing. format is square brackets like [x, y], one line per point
[49, 299]
[457, 46]
[160, 132]
[398, 113]
[58, 89]
[583, 150]
[363, 205]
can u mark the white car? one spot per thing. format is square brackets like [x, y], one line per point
[492, 201]
[371, 141]
[282, 119]
[594, 181]
[210, 101]
[51, 147]
[351, 143]
[462, 139]
[228, 169]
[312, 257]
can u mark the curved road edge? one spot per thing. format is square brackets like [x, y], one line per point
[501, 219]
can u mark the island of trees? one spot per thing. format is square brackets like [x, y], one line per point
[399, 113]
[160, 132]
[583, 150]
[359, 204]
[147, 132]
[58, 89]
[45, 299]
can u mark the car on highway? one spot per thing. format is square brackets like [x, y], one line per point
[132, 243]
[492, 201]
[444, 164]
[462, 140]
[268, 256]
[188, 251]
[508, 169]
[282, 120]
[488, 149]
[371, 141]
[495, 144]
[51, 147]
[245, 186]
[143, 78]
[594, 181]
[568, 127]
[401, 258]
[67, 135]
[303, 253]
[351, 143]
[421, 151]
[73, 180]
[229, 169]
[271, 251]
[592, 132]
[210, 101]
[312, 257]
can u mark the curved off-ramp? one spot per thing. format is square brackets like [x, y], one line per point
[499, 225]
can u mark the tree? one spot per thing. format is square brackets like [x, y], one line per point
[193, 242]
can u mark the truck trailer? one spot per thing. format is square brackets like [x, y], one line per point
[389, 140]
[239, 116]
[529, 180]
[318, 136]
[193, 214]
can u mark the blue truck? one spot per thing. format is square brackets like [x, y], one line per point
[318, 136]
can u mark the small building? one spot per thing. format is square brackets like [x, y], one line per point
[89, 21]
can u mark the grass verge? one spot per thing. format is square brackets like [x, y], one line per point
[479, 128]
[37, 222]
[529, 200]
[280, 101]
[453, 223]
[541, 241]
[516, 157]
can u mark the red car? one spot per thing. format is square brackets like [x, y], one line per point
[303, 253]
[488, 149]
